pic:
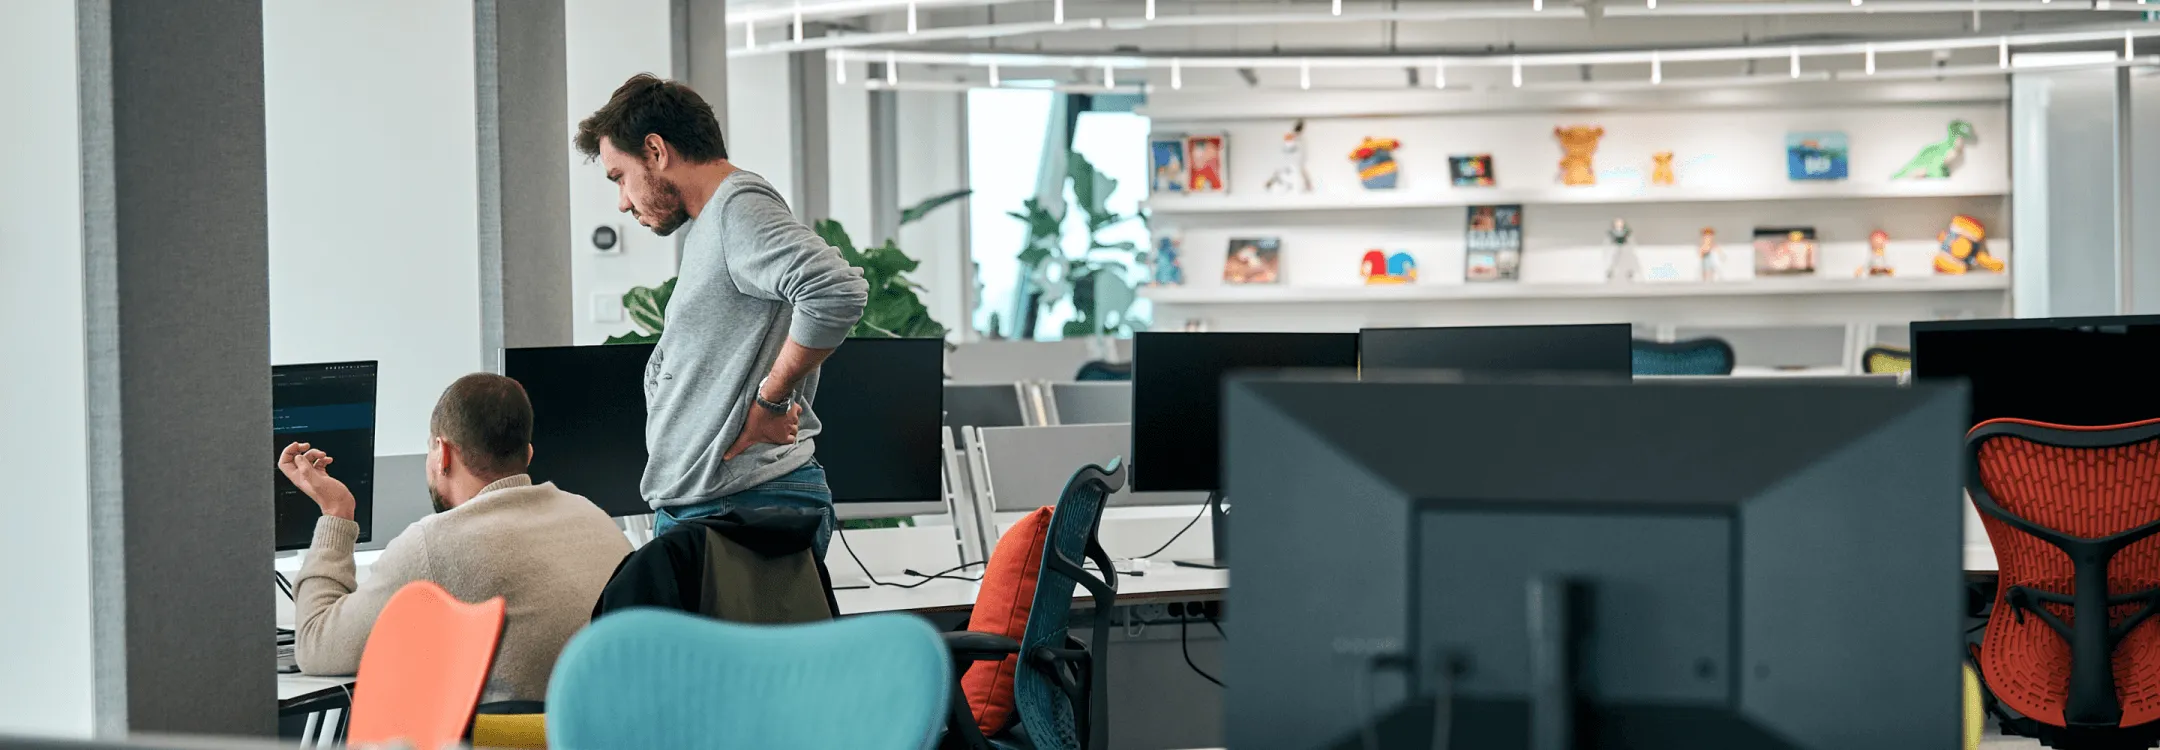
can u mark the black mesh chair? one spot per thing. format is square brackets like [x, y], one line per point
[1703, 356]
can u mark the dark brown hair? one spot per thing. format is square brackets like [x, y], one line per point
[648, 105]
[490, 421]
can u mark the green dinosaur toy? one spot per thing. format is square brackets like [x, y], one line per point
[1934, 161]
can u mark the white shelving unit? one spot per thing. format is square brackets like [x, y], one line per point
[1384, 200]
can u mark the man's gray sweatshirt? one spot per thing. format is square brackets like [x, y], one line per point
[752, 277]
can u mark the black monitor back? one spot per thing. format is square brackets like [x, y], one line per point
[2075, 371]
[879, 404]
[331, 406]
[1177, 396]
[588, 419]
[1602, 348]
[1756, 557]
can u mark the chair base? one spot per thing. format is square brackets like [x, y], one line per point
[2069, 738]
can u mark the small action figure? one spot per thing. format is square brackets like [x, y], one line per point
[1661, 168]
[1933, 162]
[1381, 268]
[1964, 248]
[1625, 266]
[1167, 270]
[1713, 257]
[1578, 143]
[1375, 159]
[1878, 263]
[1291, 177]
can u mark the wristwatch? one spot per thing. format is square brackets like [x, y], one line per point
[757, 396]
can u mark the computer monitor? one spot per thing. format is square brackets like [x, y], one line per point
[331, 406]
[880, 403]
[1653, 565]
[984, 405]
[588, 420]
[1177, 396]
[2075, 371]
[1092, 403]
[1602, 348]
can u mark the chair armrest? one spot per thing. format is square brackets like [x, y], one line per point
[970, 645]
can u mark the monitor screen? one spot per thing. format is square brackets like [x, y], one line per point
[332, 407]
[1604, 348]
[880, 405]
[588, 419]
[1177, 396]
[2072, 371]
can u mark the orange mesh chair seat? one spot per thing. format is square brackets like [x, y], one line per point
[2072, 513]
[426, 661]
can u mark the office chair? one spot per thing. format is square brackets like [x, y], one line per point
[426, 661]
[1885, 360]
[666, 680]
[2071, 512]
[1099, 370]
[509, 725]
[1703, 356]
[1056, 684]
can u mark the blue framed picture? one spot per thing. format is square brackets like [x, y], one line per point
[1815, 156]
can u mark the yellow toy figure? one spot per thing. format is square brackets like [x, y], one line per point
[1878, 263]
[1661, 168]
[1578, 143]
[1964, 248]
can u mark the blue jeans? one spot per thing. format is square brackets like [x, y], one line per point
[801, 488]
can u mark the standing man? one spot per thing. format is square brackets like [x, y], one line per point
[759, 303]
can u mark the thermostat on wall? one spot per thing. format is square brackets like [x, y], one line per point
[607, 240]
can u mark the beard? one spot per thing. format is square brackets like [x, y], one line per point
[667, 208]
[436, 499]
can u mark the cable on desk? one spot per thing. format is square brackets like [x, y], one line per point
[1180, 533]
[1218, 627]
[284, 585]
[1185, 645]
[842, 533]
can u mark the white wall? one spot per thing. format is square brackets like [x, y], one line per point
[847, 114]
[607, 41]
[374, 198]
[932, 161]
[46, 669]
[761, 125]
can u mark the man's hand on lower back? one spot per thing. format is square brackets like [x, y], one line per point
[766, 427]
[309, 470]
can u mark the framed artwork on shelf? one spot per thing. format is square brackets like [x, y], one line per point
[1781, 251]
[1492, 243]
[1815, 156]
[1471, 170]
[1253, 260]
[1166, 161]
[1207, 164]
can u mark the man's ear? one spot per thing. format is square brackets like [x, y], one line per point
[656, 151]
[528, 454]
[449, 457]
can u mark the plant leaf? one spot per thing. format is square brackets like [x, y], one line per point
[916, 212]
[633, 338]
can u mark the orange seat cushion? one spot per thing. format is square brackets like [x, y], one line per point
[1001, 607]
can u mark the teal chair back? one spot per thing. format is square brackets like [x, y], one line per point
[1704, 356]
[666, 680]
[1048, 710]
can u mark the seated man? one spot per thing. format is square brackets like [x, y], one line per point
[494, 533]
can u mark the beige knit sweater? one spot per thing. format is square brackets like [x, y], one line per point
[545, 551]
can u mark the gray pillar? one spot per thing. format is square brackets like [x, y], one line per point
[884, 165]
[700, 50]
[524, 176]
[812, 137]
[178, 318]
[2142, 193]
[2065, 256]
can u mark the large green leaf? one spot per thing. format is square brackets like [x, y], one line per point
[916, 212]
[633, 338]
[647, 306]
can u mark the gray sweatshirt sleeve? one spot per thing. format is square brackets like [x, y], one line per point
[772, 256]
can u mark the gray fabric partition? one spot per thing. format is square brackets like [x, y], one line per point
[177, 306]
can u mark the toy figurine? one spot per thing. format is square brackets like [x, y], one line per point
[1625, 266]
[1933, 162]
[1661, 168]
[1381, 268]
[1167, 270]
[1291, 177]
[1878, 263]
[1964, 248]
[1375, 159]
[1578, 143]
[1713, 257]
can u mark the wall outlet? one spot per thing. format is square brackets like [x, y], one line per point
[607, 307]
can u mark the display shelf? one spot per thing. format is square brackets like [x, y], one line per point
[1174, 205]
[1799, 285]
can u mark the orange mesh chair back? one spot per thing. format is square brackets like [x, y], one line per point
[426, 661]
[2072, 513]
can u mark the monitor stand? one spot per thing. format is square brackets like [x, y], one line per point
[1218, 522]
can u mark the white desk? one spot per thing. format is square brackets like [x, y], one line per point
[1162, 583]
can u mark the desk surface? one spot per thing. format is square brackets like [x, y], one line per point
[1162, 582]
[295, 690]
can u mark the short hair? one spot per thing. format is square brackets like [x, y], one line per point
[649, 105]
[490, 421]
